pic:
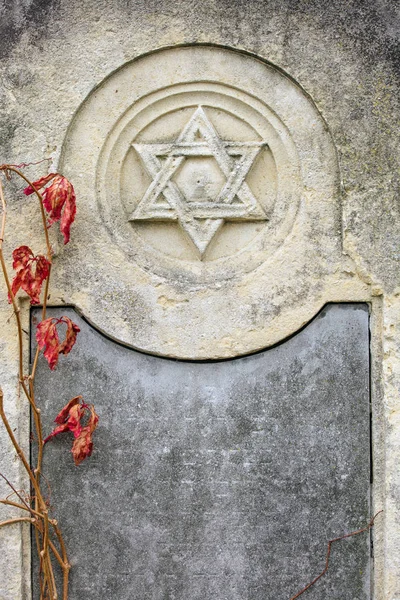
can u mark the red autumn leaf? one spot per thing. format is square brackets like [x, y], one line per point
[31, 272]
[59, 429]
[70, 338]
[58, 196]
[70, 419]
[47, 338]
[66, 419]
[74, 420]
[64, 412]
[83, 444]
[39, 183]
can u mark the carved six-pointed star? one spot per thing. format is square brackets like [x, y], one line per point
[165, 201]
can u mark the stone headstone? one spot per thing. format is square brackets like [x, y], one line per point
[217, 480]
[236, 166]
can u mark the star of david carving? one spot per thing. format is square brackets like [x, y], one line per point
[165, 201]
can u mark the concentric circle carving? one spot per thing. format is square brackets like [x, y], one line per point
[201, 178]
[209, 200]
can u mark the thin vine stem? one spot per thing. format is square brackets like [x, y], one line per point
[56, 554]
[17, 520]
[39, 514]
[44, 309]
[18, 449]
[10, 292]
[328, 554]
[13, 489]
[22, 507]
[66, 565]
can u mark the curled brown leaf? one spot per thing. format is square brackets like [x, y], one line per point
[48, 339]
[70, 419]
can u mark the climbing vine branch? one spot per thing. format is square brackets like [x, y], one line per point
[57, 204]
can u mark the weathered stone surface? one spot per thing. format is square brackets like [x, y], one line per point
[345, 57]
[217, 480]
[173, 235]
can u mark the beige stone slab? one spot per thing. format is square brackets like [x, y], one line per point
[132, 148]
[340, 61]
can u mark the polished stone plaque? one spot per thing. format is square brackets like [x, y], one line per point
[218, 480]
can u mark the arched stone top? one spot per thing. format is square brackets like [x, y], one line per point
[210, 204]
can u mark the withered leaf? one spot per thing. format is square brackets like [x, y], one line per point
[83, 444]
[48, 339]
[70, 419]
[31, 271]
[59, 201]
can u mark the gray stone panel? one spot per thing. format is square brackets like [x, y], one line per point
[217, 480]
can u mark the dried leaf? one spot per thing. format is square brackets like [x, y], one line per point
[83, 444]
[70, 419]
[74, 421]
[47, 338]
[39, 184]
[31, 272]
[62, 416]
[69, 213]
[59, 201]
[70, 338]
[59, 429]
[21, 257]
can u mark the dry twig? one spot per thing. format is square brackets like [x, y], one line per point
[328, 553]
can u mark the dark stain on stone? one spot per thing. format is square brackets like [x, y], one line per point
[370, 27]
[35, 17]
[8, 128]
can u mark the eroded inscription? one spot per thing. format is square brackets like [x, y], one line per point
[217, 481]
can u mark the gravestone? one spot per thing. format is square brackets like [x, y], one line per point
[217, 480]
[233, 268]
[211, 190]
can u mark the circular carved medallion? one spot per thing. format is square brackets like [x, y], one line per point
[201, 177]
[211, 185]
